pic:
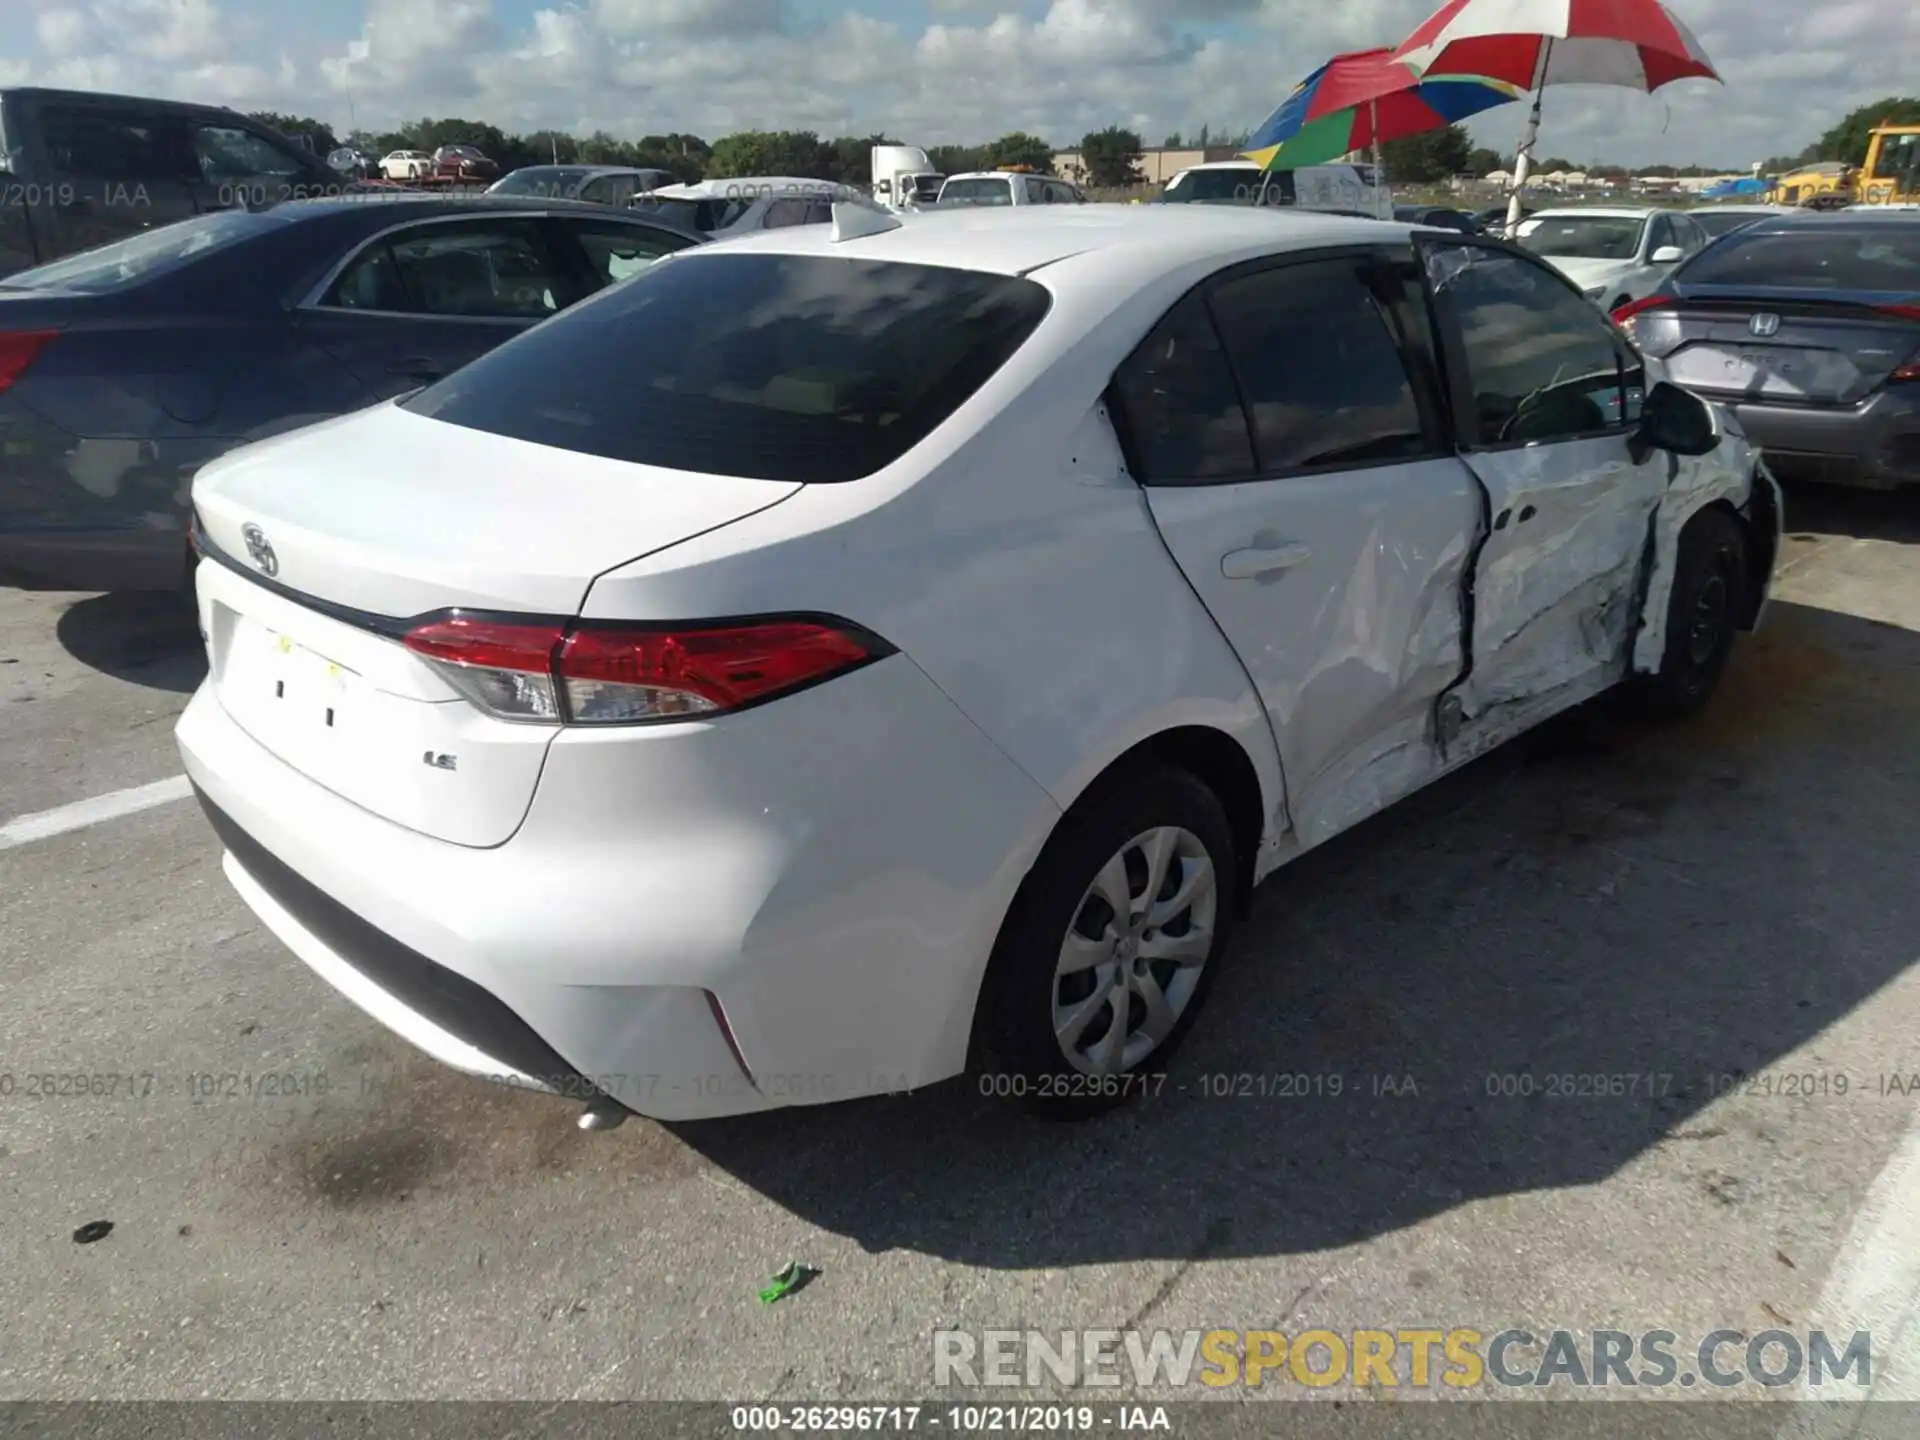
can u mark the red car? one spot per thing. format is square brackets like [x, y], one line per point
[463, 162]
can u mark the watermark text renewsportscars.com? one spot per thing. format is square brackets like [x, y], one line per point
[1405, 1358]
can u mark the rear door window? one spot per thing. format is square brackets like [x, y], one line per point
[104, 142]
[477, 269]
[1319, 365]
[1180, 409]
[808, 368]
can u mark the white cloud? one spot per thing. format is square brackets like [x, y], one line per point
[975, 69]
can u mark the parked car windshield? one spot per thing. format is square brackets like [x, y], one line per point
[1820, 257]
[1213, 187]
[142, 257]
[982, 190]
[1724, 222]
[1583, 237]
[808, 368]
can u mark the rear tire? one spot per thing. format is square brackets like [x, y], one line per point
[1703, 615]
[1083, 1004]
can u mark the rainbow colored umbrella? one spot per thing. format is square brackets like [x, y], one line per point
[1361, 100]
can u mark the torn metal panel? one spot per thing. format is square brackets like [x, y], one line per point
[1730, 475]
[1557, 572]
[1340, 593]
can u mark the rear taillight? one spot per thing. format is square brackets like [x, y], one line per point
[623, 675]
[1625, 316]
[1908, 373]
[18, 350]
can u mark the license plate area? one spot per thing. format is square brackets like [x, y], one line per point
[303, 705]
[1763, 370]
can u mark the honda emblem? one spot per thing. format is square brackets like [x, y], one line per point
[1764, 324]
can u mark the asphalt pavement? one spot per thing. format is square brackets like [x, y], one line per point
[1729, 903]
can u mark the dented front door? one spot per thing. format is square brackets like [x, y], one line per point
[1547, 395]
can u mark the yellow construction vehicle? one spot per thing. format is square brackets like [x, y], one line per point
[1891, 175]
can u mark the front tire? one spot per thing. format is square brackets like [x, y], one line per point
[1109, 949]
[1703, 615]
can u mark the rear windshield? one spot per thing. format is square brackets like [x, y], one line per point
[155, 252]
[773, 367]
[987, 190]
[1822, 257]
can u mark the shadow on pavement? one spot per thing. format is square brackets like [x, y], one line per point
[1855, 514]
[148, 638]
[1602, 898]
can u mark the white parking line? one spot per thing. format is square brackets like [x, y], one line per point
[1874, 1286]
[82, 813]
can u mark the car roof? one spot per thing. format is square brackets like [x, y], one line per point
[1015, 240]
[403, 205]
[101, 97]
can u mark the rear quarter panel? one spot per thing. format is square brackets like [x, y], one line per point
[1011, 556]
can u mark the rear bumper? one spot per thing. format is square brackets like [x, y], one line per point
[1876, 443]
[793, 906]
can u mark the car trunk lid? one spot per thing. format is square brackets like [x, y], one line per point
[1785, 347]
[327, 544]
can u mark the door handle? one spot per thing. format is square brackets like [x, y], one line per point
[1252, 563]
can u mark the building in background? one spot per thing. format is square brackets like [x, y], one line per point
[1158, 163]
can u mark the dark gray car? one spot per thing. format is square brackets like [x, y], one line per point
[601, 184]
[1809, 327]
[126, 368]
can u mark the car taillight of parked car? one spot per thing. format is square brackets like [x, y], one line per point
[585, 674]
[18, 350]
[1626, 315]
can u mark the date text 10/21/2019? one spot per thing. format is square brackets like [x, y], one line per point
[955, 1419]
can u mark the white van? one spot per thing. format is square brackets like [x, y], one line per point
[904, 177]
[1343, 189]
[1008, 187]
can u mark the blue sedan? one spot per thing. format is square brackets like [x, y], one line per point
[124, 369]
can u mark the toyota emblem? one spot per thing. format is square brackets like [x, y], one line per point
[1764, 325]
[259, 551]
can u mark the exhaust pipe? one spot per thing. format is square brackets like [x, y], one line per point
[603, 1114]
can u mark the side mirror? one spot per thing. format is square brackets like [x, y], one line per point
[1677, 421]
[1668, 255]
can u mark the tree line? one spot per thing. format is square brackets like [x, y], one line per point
[1110, 157]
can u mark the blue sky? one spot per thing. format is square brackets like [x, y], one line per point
[927, 71]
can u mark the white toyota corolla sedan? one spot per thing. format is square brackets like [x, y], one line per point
[840, 659]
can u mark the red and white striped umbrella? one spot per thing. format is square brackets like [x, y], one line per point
[1638, 44]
